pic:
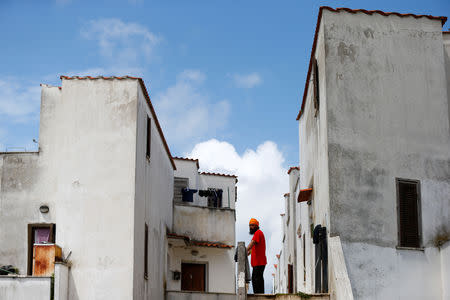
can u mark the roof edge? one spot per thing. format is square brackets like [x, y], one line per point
[353, 11]
[147, 97]
[188, 159]
[150, 105]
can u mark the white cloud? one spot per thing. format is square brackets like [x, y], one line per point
[247, 80]
[262, 183]
[187, 112]
[121, 42]
[19, 102]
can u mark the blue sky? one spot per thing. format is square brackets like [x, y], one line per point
[226, 77]
[224, 40]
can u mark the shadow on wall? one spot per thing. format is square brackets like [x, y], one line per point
[72, 293]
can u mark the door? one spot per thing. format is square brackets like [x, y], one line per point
[290, 279]
[193, 277]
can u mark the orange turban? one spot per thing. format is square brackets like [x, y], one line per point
[253, 221]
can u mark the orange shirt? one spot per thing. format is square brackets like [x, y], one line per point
[259, 249]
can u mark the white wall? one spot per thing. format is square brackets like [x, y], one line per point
[24, 288]
[205, 223]
[227, 184]
[387, 113]
[89, 145]
[220, 269]
[313, 158]
[85, 173]
[445, 269]
[19, 205]
[153, 206]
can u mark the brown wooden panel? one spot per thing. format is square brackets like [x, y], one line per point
[44, 259]
[193, 277]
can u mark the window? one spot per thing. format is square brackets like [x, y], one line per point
[304, 258]
[316, 86]
[39, 234]
[408, 204]
[290, 278]
[179, 183]
[146, 252]
[149, 136]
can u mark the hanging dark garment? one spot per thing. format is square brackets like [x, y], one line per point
[188, 194]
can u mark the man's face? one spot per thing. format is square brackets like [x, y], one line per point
[253, 228]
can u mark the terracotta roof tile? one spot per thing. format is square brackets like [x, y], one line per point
[199, 243]
[353, 11]
[293, 168]
[188, 159]
[304, 195]
[210, 244]
[147, 97]
[219, 174]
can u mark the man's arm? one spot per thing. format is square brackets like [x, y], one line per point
[250, 246]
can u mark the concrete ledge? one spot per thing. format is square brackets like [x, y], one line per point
[185, 295]
[410, 248]
[24, 287]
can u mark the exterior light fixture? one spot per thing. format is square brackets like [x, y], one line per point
[44, 209]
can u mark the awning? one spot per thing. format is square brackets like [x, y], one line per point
[304, 195]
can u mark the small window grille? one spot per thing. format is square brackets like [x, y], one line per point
[408, 203]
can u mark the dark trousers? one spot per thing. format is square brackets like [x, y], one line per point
[258, 279]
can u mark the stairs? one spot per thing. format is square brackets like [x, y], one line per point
[288, 297]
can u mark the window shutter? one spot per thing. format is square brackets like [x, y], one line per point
[179, 184]
[408, 214]
[316, 87]
[149, 136]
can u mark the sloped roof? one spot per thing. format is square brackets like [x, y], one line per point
[353, 11]
[293, 168]
[188, 159]
[198, 243]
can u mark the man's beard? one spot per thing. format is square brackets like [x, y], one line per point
[252, 231]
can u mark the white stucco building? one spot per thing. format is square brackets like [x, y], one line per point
[101, 187]
[201, 245]
[374, 158]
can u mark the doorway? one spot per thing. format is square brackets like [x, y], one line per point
[193, 277]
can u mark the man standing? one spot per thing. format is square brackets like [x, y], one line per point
[257, 248]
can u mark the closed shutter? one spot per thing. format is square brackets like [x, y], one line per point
[179, 184]
[408, 213]
[316, 87]
[149, 137]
